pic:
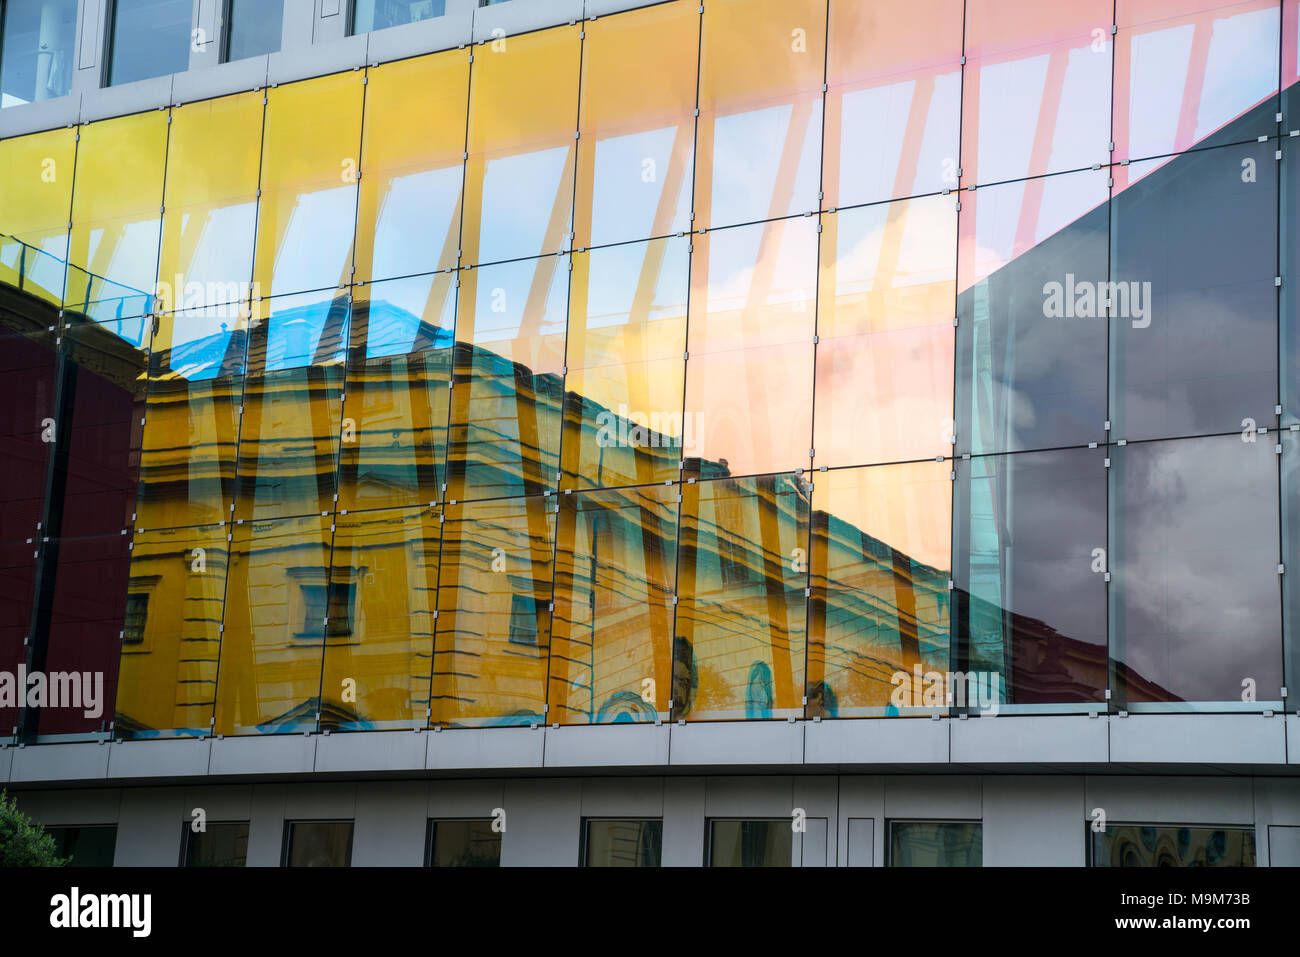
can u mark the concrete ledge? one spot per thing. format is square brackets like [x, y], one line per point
[241, 76]
[371, 751]
[878, 741]
[173, 757]
[35, 117]
[453, 29]
[6, 762]
[1293, 738]
[600, 8]
[266, 754]
[474, 748]
[1214, 739]
[610, 745]
[1067, 739]
[522, 16]
[737, 742]
[128, 98]
[83, 761]
[333, 56]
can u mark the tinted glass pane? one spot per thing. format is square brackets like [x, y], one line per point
[750, 844]
[254, 28]
[931, 844]
[17, 588]
[1136, 845]
[879, 607]
[623, 420]
[1200, 354]
[381, 605]
[1194, 597]
[1290, 558]
[523, 114]
[884, 333]
[274, 627]
[35, 198]
[171, 635]
[319, 844]
[413, 153]
[1030, 576]
[223, 844]
[762, 64]
[611, 655]
[150, 38]
[29, 368]
[624, 843]
[739, 645]
[36, 56]
[86, 846]
[636, 152]
[1193, 72]
[1031, 335]
[1289, 305]
[893, 108]
[494, 594]
[465, 844]
[377, 14]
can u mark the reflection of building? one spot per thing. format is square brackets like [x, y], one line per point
[598, 401]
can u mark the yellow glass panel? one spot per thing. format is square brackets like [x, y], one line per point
[414, 160]
[523, 116]
[274, 631]
[762, 65]
[117, 216]
[741, 615]
[611, 655]
[213, 157]
[494, 593]
[310, 158]
[35, 202]
[636, 152]
[379, 640]
[880, 568]
[167, 682]
[623, 391]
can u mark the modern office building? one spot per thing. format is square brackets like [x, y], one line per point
[814, 432]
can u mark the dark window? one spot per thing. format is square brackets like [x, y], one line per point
[253, 28]
[622, 843]
[86, 846]
[137, 614]
[1148, 845]
[149, 38]
[221, 844]
[36, 50]
[317, 844]
[936, 844]
[523, 620]
[762, 843]
[463, 844]
[370, 15]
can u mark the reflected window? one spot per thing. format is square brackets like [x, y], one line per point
[253, 28]
[149, 38]
[750, 843]
[370, 15]
[221, 844]
[622, 843]
[1155, 845]
[464, 844]
[36, 50]
[85, 846]
[936, 844]
[317, 844]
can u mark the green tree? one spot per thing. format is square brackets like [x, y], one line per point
[24, 843]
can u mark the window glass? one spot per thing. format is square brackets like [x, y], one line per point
[370, 15]
[1194, 613]
[751, 844]
[29, 368]
[879, 607]
[762, 65]
[318, 844]
[935, 844]
[274, 627]
[17, 593]
[171, 638]
[523, 116]
[85, 846]
[222, 844]
[464, 844]
[413, 154]
[636, 151]
[611, 655]
[36, 60]
[1030, 586]
[884, 333]
[494, 595]
[739, 645]
[35, 199]
[254, 28]
[1146, 845]
[623, 421]
[149, 38]
[1032, 328]
[1193, 73]
[623, 843]
[894, 103]
[382, 600]
[1289, 302]
[1290, 442]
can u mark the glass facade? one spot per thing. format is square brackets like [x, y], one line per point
[37, 38]
[619, 374]
[1138, 845]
